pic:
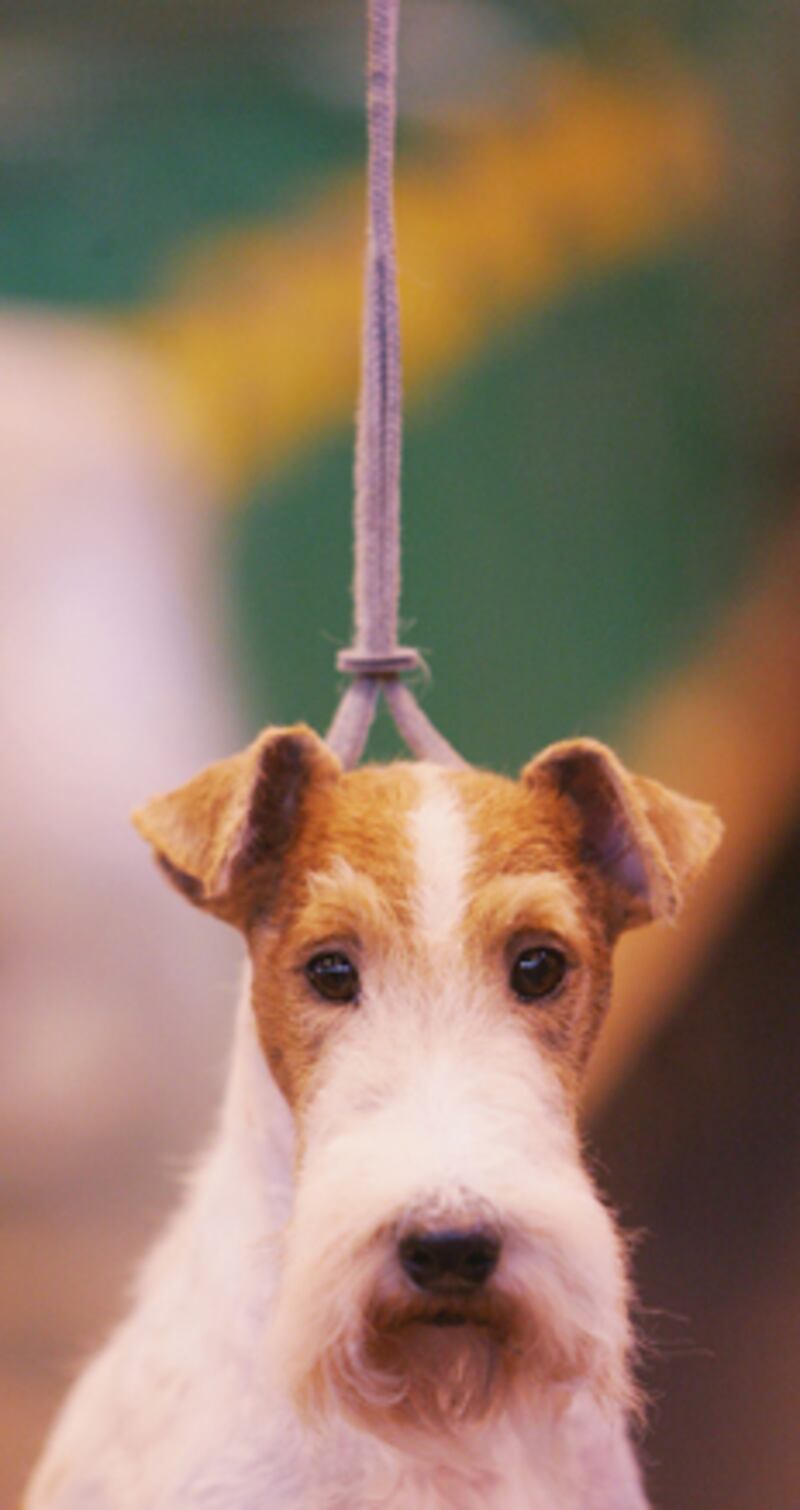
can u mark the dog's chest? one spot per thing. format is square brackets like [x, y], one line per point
[502, 1470]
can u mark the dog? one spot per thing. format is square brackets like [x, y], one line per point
[392, 1282]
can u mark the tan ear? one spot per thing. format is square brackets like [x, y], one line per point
[647, 842]
[221, 838]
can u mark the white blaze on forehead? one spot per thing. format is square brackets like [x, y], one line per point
[442, 851]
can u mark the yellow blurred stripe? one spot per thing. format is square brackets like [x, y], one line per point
[577, 172]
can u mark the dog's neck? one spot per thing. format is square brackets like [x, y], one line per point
[256, 1124]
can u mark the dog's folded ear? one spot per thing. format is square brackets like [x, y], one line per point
[221, 838]
[645, 841]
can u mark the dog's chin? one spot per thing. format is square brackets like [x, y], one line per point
[429, 1368]
[449, 1364]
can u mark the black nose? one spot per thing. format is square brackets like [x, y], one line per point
[449, 1262]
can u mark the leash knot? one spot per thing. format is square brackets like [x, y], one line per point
[394, 663]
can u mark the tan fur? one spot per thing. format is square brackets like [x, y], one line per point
[347, 883]
[528, 885]
[546, 903]
[303, 857]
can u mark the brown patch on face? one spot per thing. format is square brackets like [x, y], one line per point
[346, 885]
[529, 886]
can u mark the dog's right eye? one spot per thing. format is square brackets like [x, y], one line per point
[537, 972]
[333, 976]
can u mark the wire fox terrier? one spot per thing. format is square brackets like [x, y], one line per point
[392, 1282]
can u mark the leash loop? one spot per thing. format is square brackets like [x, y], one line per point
[375, 660]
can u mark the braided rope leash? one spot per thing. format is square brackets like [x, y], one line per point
[375, 661]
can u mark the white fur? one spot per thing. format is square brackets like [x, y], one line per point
[442, 850]
[241, 1380]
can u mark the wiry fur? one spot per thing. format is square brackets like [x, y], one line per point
[456, 1122]
[277, 1353]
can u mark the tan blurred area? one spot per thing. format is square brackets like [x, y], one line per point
[726, 728]
[111, 685]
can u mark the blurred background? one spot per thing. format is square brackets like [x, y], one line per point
[599, 227]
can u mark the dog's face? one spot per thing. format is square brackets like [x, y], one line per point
[431, 962]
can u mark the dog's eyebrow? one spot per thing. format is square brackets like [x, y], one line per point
[341, 898]
[545, 900]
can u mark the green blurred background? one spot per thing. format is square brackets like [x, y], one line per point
[589, 465]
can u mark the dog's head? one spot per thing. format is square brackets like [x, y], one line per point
[431, 955]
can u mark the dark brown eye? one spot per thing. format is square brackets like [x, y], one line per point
[333, 976]
[537, 972]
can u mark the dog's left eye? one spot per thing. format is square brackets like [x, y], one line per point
[537, 972]
[333, 976]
